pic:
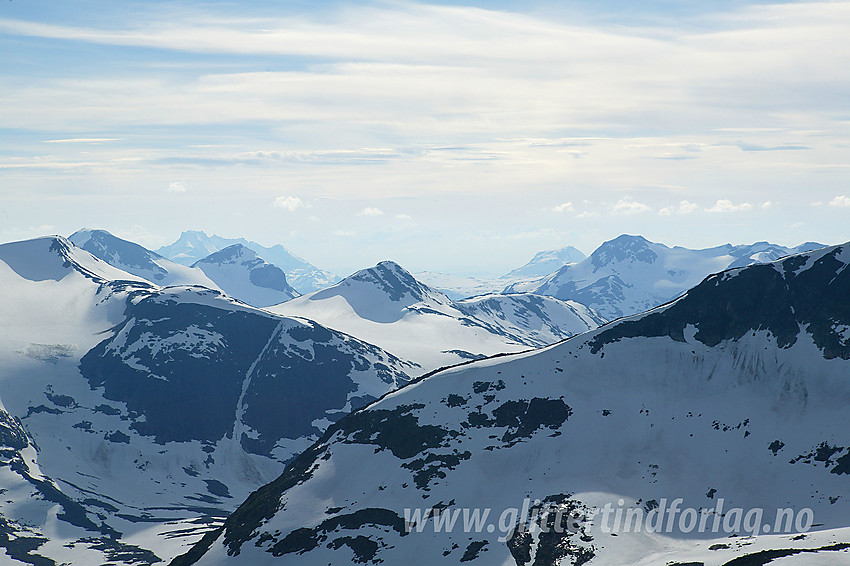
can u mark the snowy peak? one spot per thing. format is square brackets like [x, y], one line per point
[194, 245]
[806, 291]
[191, 246]
[630, 274]
[392, 279]
[53, 258]
[239, 272]
[623, 249]
[546, 262]
[129, 256]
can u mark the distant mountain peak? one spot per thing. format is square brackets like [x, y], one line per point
[237, 267]
[624, 248]
[231, 254]
[546, 262]
[195, 245]
[392, 279]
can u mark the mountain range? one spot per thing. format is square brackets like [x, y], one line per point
[134, 416]
[385, 305]
[193, 245]
[235, 270]
[732, 397]
[630, 274]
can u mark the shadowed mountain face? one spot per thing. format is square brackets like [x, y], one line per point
[630, 274]
[241, 273]
[736, 392]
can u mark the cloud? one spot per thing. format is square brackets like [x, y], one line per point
[564, 207]
[840, 201]
[726, 205]
[683, 207]
[368, 211]
[176, 187]
[288, 203]
[628, 206]
[403, 216]
[83, 140]
[766, 204]
[587, 214]
[744, 146]
[817, 203]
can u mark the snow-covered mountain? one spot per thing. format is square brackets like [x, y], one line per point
[385, 305]
[630, 274]
[546, 262]
[133, 258]
[727, 406]
[235, 270]
[535, 320]
[241, 273]
[460, 286]
[134, 417]
[195, 245]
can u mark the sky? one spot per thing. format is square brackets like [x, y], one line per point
[447, 136]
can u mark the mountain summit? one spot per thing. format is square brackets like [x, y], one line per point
[194, 245]
[631, 274]
[240, 272]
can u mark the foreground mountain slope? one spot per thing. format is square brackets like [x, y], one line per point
[732, 396]
[241, 273]
[630, 274]
[387, 306]
[134, 417]
[195, 245]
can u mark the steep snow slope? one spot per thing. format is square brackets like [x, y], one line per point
[134, 418]
[630, 274]
[733, 396]
[195, 245]
[240, 273]
[387, 306]
[536, 320]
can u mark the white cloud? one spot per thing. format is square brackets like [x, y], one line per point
[766, 204]
[403, 216]
[841, 200]
[683, 207]
[628, 206]
[726, 205]
[177, 187]
[564, 207]
[369, 211]
[288, 203]
[817, 203]
[587, 214]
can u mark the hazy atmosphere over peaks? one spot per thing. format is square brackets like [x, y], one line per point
[450, 137]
